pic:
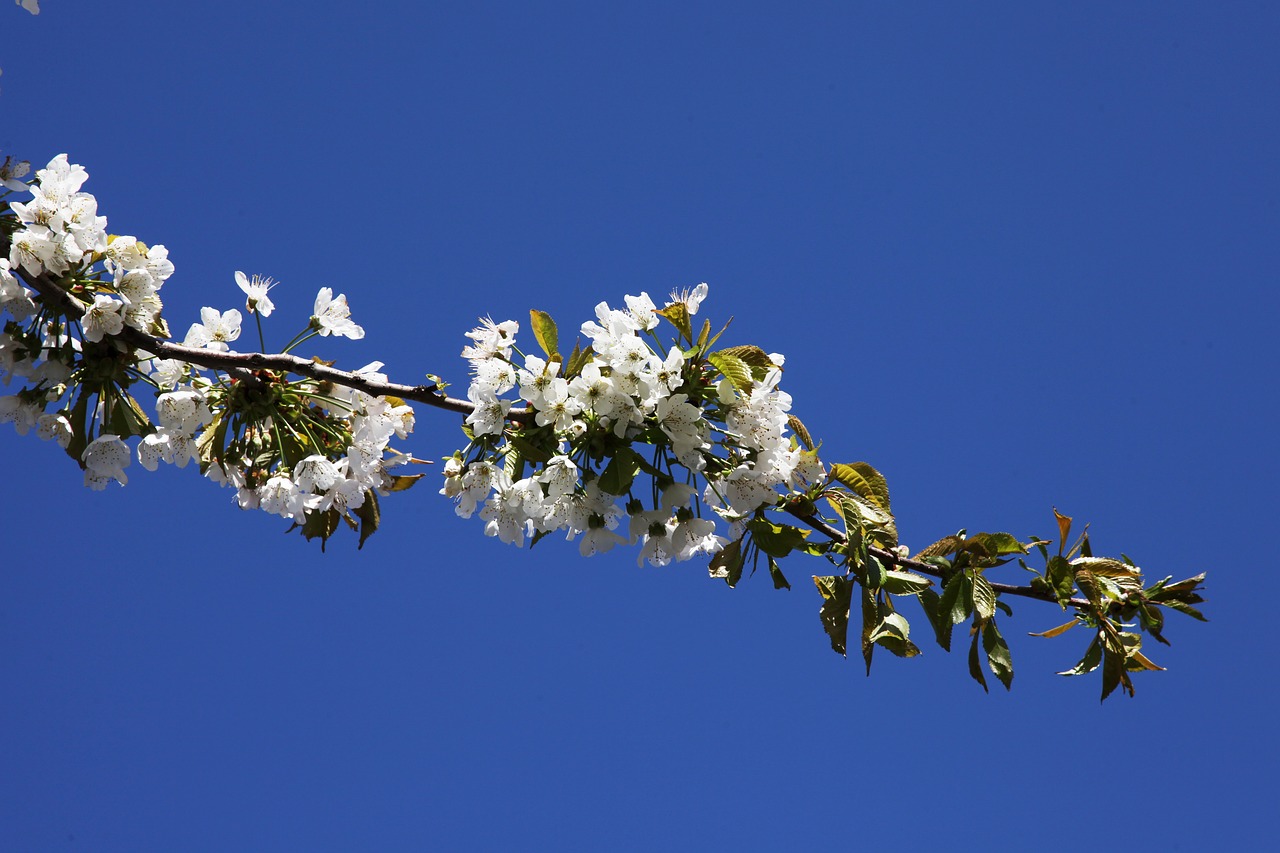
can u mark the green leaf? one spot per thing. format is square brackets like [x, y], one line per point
[984, 597]
[403, 482]
[1114, 577]
[529, 450]
[727, 563]
[733, 368]
[544, 330]
[776, 540]
[678, 314]
[779, 579]
[870, 619]
[801, 433]
[370, 516]
[756, 359]
[1138, 662]
[894, 634]
[620, 472]
[874, 573]
[998, 656]
[321, 524]
[705, 335]
[1114, 672]
[931, 604]
[1055, 632]
[1064, 529]
[128, 418]
[1088, 663]
[1061, 576]
[577, 360]
[865, 481]
[898, 582]
[957, 599]
[80, 428]
[837, 593]
[1183, 607]
[994, 544]
[857, 510]
[944, 546]
[1085, 581]
[975, 663]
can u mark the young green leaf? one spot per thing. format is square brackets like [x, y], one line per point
[998, 656]
[1064, 529]
[544, 330]
[957, 599]
[931, 604]
[1114, 672]
[678, 314]
[975, 663]
[870, 619]
[994, 544]
[370, 516]
[865, 481]
[837, 594]
[801, 433]
[776, 540]
[727, 563]
[1062, 577]
[402, 482]
[944, 546]
[894, 634]
[779, 579]
[1088, 663]
[620, 472]
[733, 368]
[898, 582]
[984, 597]
[1055, 632]
[756, 359]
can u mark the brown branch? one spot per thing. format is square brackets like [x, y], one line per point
[244, 363]
[56, 295]
[891, 558]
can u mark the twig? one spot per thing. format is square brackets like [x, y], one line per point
[891, 558]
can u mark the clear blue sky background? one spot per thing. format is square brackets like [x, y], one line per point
[1018, 255]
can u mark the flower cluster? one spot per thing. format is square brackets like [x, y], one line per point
[308, 451]
[708, 428]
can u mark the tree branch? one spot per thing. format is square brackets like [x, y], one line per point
[244, 363]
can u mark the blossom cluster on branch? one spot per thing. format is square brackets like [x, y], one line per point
[310, 451]
[705, 427]
[647, 434]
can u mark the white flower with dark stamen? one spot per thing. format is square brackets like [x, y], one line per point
[692, 298]
[281, 496]
[491, 339]
[53, 426]
[490, 413]
[214, 330]
[102, 318]
[21, 412]
[315, 473]
[332, 316]
[184, 411]
[14, 298]
[105, 458]
[255, 291]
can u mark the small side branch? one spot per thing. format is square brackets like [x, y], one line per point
[243, 364]
[891, 558]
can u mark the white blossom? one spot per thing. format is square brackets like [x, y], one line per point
[332, 316]
[255, 290]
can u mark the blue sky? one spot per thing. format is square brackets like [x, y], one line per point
[1017, 255]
